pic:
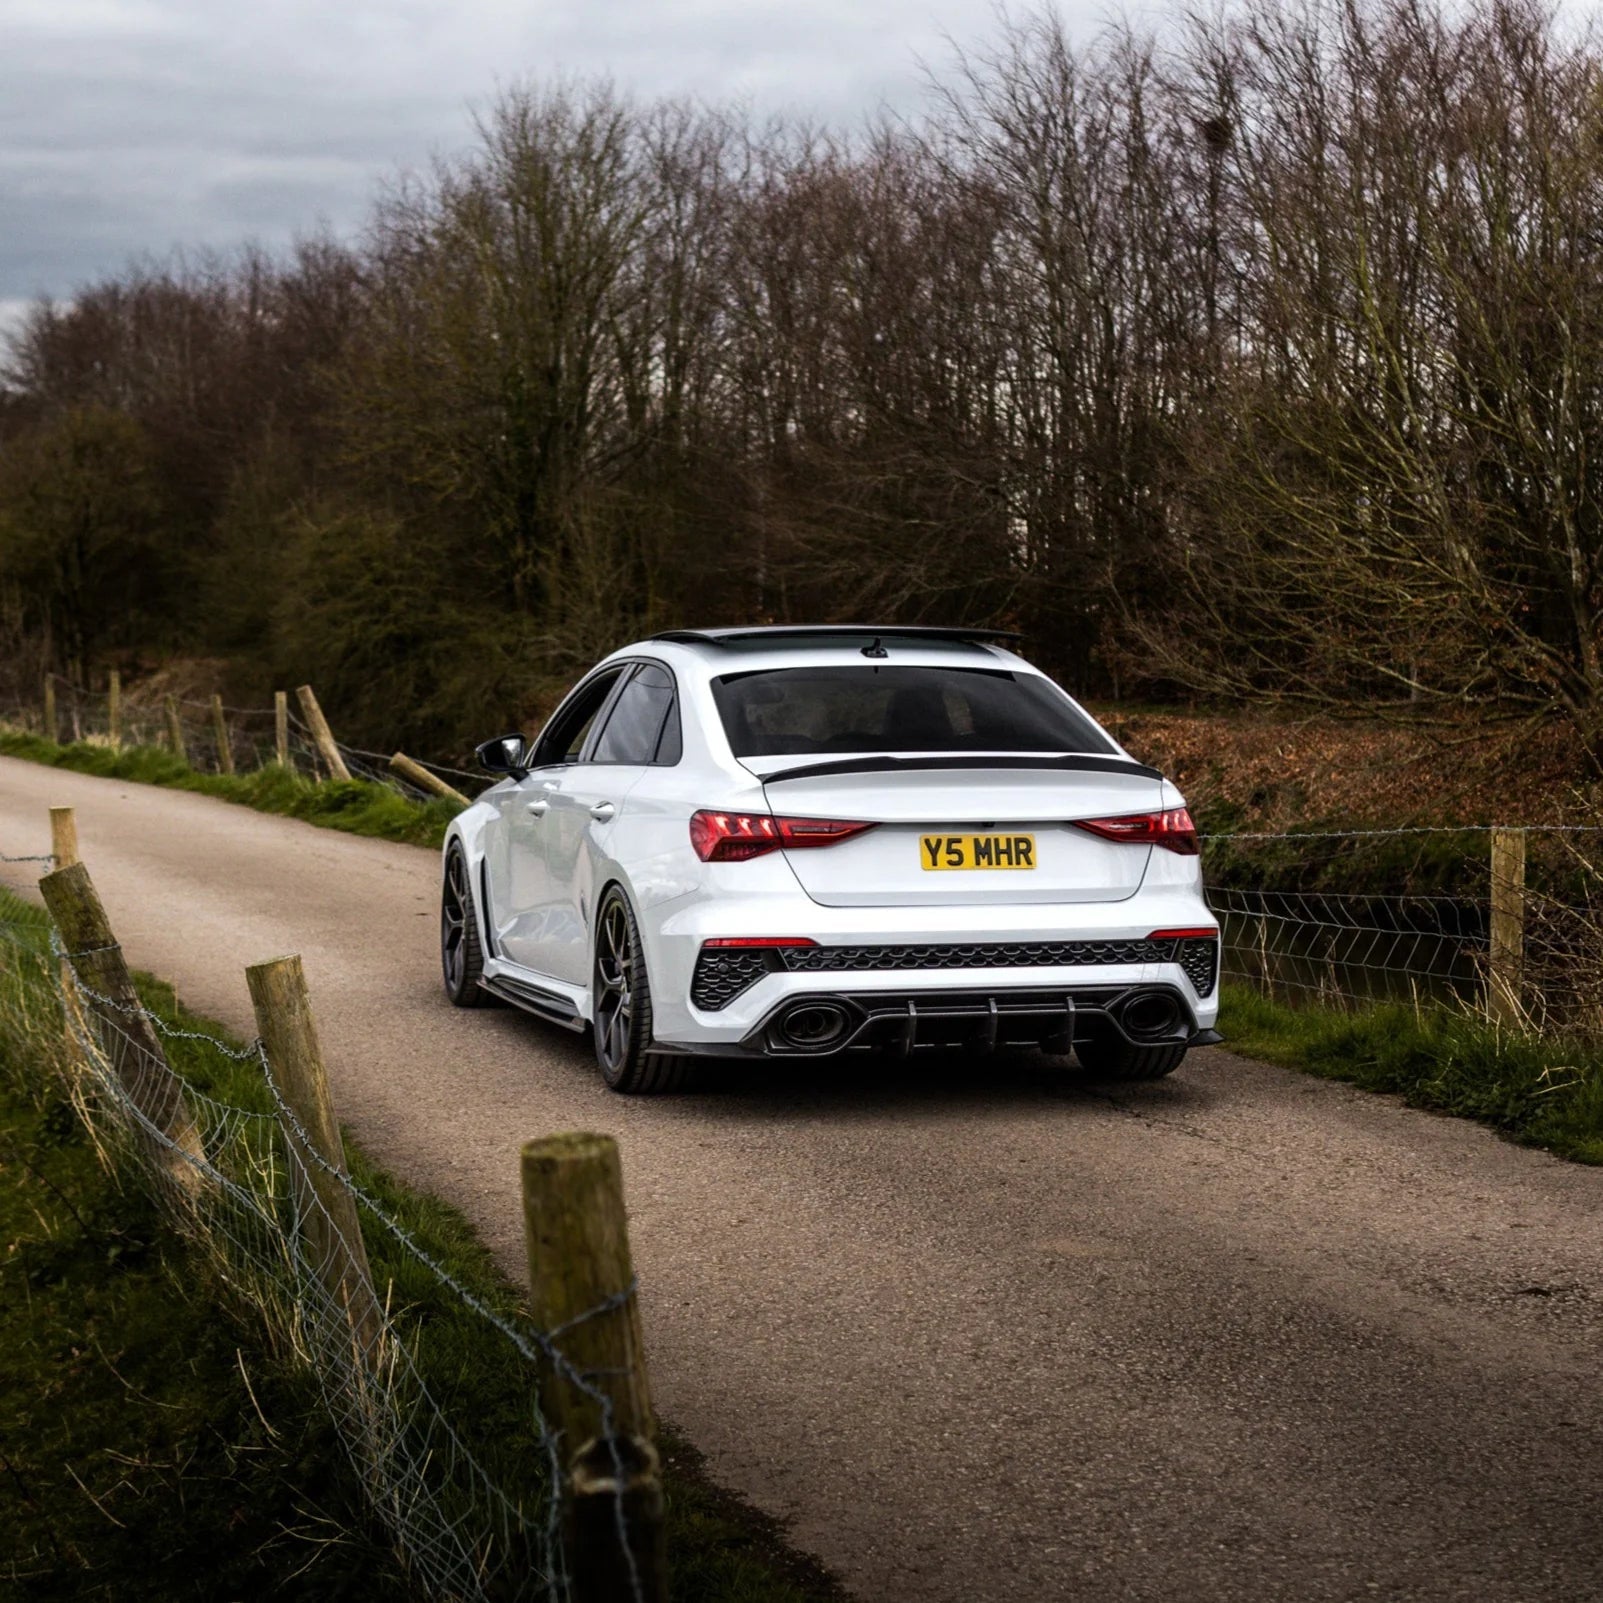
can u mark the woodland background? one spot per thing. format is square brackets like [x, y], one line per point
[1260, 367]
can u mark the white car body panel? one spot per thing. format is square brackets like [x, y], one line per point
[884, 866]
[540, 872]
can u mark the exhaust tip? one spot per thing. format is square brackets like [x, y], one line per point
[1151, 1016]
[812, 1026]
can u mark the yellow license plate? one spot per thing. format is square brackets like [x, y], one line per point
[976, 851]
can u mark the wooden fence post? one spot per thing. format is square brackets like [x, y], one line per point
[131, 1044]
[424, 780]
[64, 837]
[322, 734]
[175, 730]
[114, 708]
[332, 1225]
[580, 1281]
[281, 727]
[225, 751]
[1507, 954]
[52, 732]
[626, 1470]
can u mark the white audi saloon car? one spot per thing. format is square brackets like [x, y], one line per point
[801, 842]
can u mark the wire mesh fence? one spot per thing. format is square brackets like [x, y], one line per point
[473, 1505]
[1287, 928]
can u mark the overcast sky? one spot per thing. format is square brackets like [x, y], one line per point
[133, 126]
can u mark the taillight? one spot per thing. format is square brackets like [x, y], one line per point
[733, 837]
[1172, 830]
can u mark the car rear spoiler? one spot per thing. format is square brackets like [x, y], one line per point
[886, 764]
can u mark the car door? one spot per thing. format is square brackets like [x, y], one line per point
[528, 912]
[588, 801]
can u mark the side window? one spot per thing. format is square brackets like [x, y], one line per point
[670, 745]
[565, 736]
[634, 727]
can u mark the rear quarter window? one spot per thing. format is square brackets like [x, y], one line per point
[636, 725]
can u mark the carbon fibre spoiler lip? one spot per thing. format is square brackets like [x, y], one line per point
[887, 764]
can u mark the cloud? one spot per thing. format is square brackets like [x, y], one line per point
[130, 127]
[12, 313]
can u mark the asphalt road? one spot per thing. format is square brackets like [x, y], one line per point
[977, 1330]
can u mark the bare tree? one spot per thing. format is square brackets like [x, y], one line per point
[1396, 497]
[1257, 365]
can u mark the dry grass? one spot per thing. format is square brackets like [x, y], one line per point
[1247, 771]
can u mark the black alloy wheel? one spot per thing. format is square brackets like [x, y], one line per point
[461, 955]
[621, 997]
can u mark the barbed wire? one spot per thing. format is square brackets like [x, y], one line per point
[1411, 829]
[239, 1181]
[533, 1347]
[250, 1053]
[137, 715]
[395, 1433]
[131, 700]
[433, 767]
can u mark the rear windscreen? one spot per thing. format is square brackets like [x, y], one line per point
[782, 712]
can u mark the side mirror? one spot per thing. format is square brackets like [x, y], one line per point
[504, 755]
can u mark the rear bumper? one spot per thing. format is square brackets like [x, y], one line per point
[940, 1007]
[919, 953]
[981, 1019]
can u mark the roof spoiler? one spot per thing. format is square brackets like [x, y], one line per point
[829, 632]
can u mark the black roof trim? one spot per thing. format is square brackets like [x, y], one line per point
[888, 764]
[826, 631]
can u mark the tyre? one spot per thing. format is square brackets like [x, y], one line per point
[1114, 1058]
[621, 1007]
[461, 954]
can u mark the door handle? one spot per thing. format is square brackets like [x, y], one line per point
[602, 811]
[537, 806]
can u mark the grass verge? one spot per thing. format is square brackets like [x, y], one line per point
[154, 1443]
[357, 806]
[1545, 1093]
[148, 1449]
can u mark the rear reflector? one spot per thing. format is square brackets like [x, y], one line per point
[1209, 934]
[760, 940]
[734, 837]
[1172, 830]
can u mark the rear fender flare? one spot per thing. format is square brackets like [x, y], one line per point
[613, 878]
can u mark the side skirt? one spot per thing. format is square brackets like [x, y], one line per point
[534, 994]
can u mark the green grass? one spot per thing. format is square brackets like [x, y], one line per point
[124, 1367]
[148, 1448]
[1545, 1093]
[357, 806]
